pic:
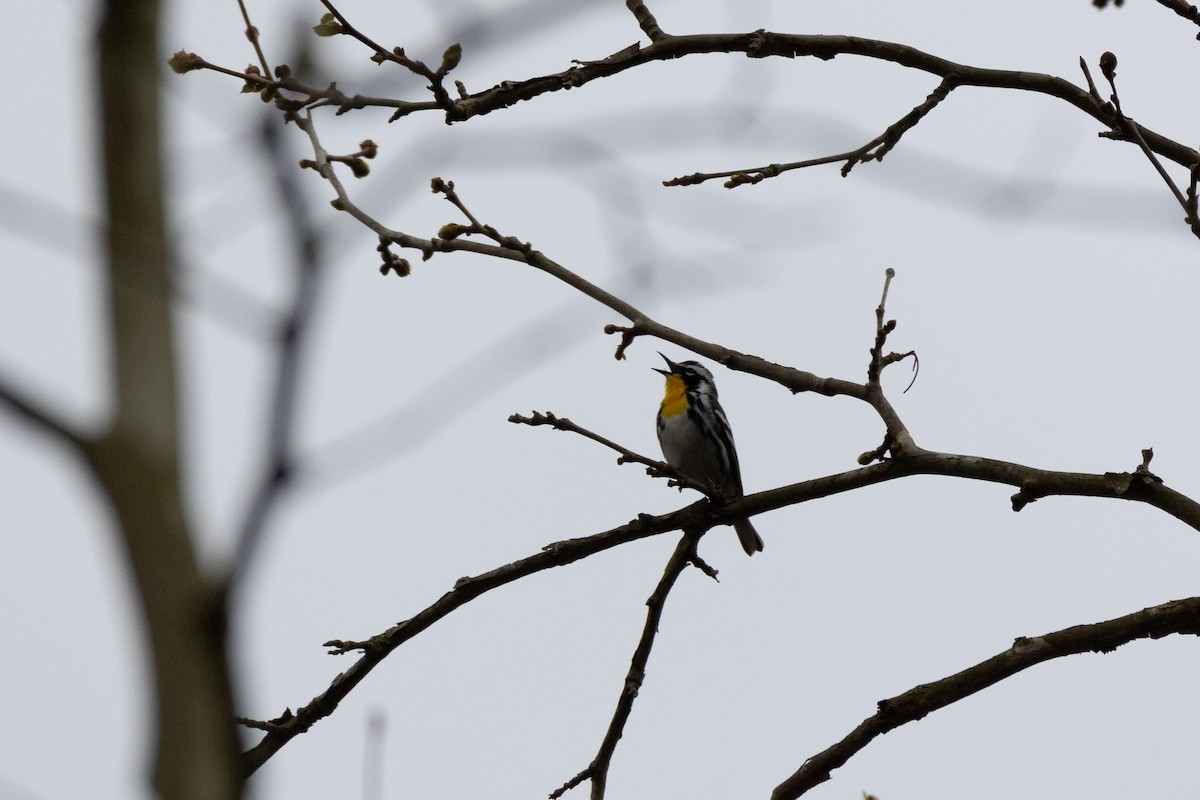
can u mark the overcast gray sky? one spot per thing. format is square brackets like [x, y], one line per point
[1044, 276]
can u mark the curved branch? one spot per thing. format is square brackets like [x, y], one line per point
[512, 249]
[757, 44]
[911, 459]
[763, 44]
[1032, 484]
[1179, 616]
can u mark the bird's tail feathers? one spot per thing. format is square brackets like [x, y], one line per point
[751, 542]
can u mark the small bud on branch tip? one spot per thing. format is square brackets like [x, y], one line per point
[184, 61]
[328, 26]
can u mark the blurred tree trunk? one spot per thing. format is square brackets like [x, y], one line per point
[136, 458]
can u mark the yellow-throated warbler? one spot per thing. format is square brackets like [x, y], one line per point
[696, 438]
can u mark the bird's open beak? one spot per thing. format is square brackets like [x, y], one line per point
[673, 367]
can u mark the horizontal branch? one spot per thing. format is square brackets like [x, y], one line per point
[1179, 616]
[763, 44]
[701, 516]
[1032, 484]
[757, 44]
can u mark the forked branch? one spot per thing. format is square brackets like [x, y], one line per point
[281, 730]
[292, 95]
[908, 459]
[1128, 130]
[899, 455]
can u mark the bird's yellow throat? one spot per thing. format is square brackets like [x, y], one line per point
[675, 401]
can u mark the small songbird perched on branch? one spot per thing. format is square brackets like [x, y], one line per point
[696, 438]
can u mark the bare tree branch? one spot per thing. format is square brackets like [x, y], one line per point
[793, 379]
[908, 458]
[899, 455]
[512, 249]
[646, 20]
[1183, 9]
[292, 337]
[1180, 7]
[873, 150]
[597, 771]
[697, 516]
[252, 36]
[1178, 616]
[30, 411]
[1129, 132]
[758, 44]
[654, 468]
[1033, 483]
[397, 56]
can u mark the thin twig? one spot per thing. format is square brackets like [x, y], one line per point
[646, 20]
[897, 432]
[292, 339]
[881, 330]
[396, 55]
[873, 150]
[753, 175]
[42, 418]
[658, 469]
[252, 35]
[1131, 130]
[274, 89]
[348, 29]
[597, 771]
[879, 361]
[1087, 73]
